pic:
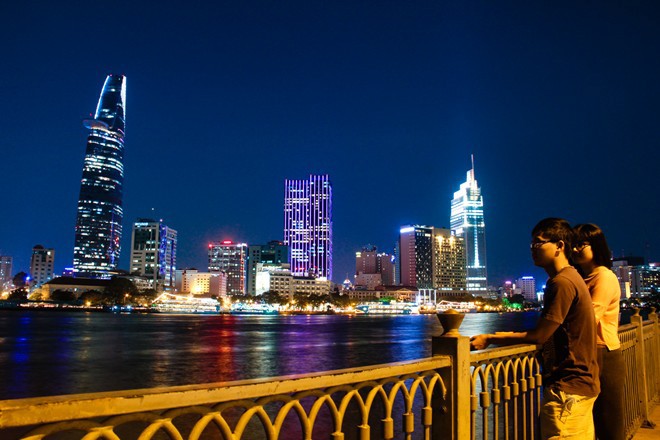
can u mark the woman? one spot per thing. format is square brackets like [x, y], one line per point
[592, 257]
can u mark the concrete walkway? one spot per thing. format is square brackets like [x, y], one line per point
[647, 433]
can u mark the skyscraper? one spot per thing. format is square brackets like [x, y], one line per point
[99, 219]
[230, 258]
[41, 266]
[5, 270]
[373, 268]
[153, 252]
[416, 256]
[449, 277]
[274, 253]
[467, 221]
[527, 286]
[308, 225]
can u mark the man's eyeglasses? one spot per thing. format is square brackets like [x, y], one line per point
[580, 247]
[539, 244]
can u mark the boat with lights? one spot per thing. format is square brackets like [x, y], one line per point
[388, 308]
[180, 304]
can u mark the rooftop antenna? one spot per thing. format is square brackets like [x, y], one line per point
[472, 159]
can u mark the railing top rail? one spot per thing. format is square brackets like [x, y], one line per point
[501, 352]
[626, 327]
[37, 410]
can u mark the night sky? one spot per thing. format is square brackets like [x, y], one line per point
[558, 103]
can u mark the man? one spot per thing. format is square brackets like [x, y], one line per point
[568, 326]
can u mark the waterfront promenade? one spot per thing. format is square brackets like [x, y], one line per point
[651, 432]
[455, 393]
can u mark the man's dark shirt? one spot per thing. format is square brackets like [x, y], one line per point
[570, 353]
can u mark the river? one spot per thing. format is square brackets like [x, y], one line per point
[51, 353]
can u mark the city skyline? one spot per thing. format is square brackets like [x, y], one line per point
[558, 107]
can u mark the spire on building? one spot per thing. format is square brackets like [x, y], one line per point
[99, 217]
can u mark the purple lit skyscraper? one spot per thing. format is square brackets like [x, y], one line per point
[308, 225]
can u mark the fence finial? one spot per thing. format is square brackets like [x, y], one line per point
[450, 320]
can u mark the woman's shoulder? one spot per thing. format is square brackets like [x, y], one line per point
[602, 275]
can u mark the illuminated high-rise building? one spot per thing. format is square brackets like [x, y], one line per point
[373, 268]
[5, 270]
[449, 277]
[99, 218]
[41, 266]
[416, 256]
[467, 221]
[308, 225]
[230, 258]
[275, 253]
[153, 252]
[527, 286]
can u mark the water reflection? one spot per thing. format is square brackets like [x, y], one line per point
[46, 353]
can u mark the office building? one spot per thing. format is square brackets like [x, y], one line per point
[5, 271]
[467, 221]
[308, 226]
[194, 282]
[636, 278]
[527, 286]
[449, 274]
[281, 281]
[99, 216]
[41, 266]
[275, 253]
[153, 252]
[230, 258]
[416, 256]
[373, 269]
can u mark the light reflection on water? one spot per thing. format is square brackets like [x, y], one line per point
[50, 353]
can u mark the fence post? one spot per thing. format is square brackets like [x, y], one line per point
[655, 356]
[643, 397]
[453, 412]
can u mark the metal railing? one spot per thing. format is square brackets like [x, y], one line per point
[505, 393]
[360, 400]
[455, 394]
[505, 404]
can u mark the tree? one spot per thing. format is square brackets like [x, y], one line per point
[20, 280]
[145, 297]
[62, 295]
[273, 298]
[19, 294]
[93, 297]
[119, 290]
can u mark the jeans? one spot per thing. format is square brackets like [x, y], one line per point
[566, 416]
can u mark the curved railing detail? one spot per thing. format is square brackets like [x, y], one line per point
[396, 397]
[505, 389]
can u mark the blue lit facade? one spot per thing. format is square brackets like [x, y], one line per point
[308, 225]
[467, 221]
[153, 252]
[99, 217]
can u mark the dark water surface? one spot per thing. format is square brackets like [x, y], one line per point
[50, 353]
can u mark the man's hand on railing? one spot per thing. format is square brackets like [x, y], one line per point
[479, 342]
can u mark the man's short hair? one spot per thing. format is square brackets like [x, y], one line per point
[556, 229]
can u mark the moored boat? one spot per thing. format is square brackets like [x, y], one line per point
[253, 309]
[385, 308]
[178, 304]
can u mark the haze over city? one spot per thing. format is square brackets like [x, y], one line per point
[226, 101]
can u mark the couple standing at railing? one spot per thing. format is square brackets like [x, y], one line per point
[583, 364]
